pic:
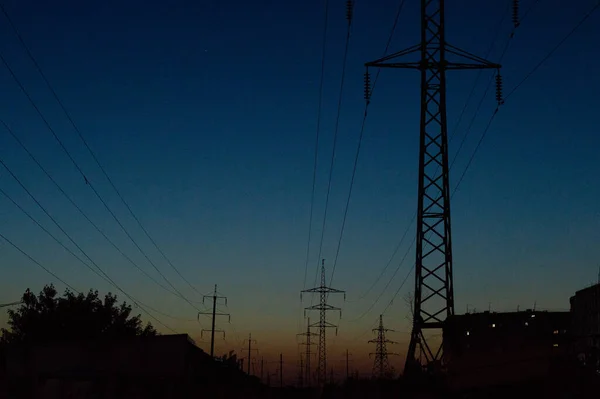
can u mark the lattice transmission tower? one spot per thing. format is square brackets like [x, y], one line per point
[381, 365]
[434, 293]
[308, 353]
[323, 307]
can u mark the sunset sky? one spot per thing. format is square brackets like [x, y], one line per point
[204, 115]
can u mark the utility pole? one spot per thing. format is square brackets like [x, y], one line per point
[4, 305]
[262, 367]
[323, 307]
[381, 366]
[347, 365]
[281, 370]
[250, 341]
[214, 313]
[308, 352]
[434, 291]
[301, 373]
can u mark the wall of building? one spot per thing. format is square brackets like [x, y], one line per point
[585, 307]
[154, 367]
[486, 349]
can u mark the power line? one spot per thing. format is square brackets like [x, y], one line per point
[74, 255]
[551, 52]
[87, 182]
[78, 131]
[349, 12]
[103, 274]
[62, 191]
[77, 291]
[5, 305]
[404, 235]
[359, 145]
[387, 285]
[318, 133]
[15, 246]
[518, 85]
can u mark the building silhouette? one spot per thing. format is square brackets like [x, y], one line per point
[488, 349]
[585, 308]
[167, 366]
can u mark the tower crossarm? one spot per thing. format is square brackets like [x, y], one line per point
[462, 60]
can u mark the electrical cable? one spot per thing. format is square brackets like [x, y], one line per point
[103, 274]
[359, 145]
[518, 85]
[91, 152]
[4, 305]
[335, 135]
[318, 132]
[554, 49]
[62, 191]
[19, 83]
[15, 246]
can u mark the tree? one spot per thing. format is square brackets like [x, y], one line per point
[49, 318]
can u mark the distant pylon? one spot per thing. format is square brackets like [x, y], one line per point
[301, 372]
[250, 342]
[214, 314]
[308, 352]
[323, 307]
[381, 365]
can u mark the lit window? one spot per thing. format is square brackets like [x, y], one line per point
[526, 324]
[555, 332]
[468, 333]
[532, 316]
[555, 345]
[493, 325]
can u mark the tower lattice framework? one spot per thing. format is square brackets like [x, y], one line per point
[381, 364]
[434, 291]
[323, 307]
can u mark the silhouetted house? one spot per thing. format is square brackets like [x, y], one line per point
[489, 349]
[168, 366]
[585, 307]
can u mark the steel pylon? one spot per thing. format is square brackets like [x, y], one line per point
[323, 307]
[381, 365]
[434, 292]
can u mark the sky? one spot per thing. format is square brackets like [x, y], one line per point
[204, 115]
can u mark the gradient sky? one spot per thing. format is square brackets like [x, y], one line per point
[204, 114]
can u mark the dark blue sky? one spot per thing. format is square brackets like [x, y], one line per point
[204, 115]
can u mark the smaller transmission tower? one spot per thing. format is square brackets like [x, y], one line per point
[250, 341]
[308, 352]
[348, 354]
[301, 372]
[381, 366]
[323, 307]
[214, 313]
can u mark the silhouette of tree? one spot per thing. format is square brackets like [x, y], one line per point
[48, 317]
